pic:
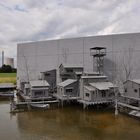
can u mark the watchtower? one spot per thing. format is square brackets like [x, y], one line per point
[98, 54]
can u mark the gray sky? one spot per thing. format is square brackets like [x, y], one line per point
[32, 20]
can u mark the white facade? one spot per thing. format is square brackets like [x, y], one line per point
[123, 51]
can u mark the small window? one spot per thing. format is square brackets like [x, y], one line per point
[125, 90]
[87, 94]
[38, 93]
[69, 70]
[63, 79]
[47, 74]
[69, 90]
[111, 94]
[103, 93]
[135, 90]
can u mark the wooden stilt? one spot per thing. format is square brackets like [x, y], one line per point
[84, 106]
[116, 111]
[62, 103]
[58, 104]
[28, 105]
[116, 107]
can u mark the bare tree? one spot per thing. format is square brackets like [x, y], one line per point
[128, 63]
[123, 71]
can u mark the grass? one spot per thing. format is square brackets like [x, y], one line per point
[8, 78]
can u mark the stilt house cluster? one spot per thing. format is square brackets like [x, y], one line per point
[85, 70]
[75, 84]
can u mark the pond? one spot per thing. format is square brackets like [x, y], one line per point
[69, 123]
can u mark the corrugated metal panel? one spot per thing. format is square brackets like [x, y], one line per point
[136, 81]
[66, 82]
[102, 85]
[39, 83]
[94, 77]
[90, 88]
[66, 65]
[77, 73]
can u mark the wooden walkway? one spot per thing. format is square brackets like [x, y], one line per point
[16, 107]
[129, 106]
[41, 102]
[27, 98]
[127, 97]
[67, 98]
[95, 102]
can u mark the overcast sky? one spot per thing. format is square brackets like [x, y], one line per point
[32, 20]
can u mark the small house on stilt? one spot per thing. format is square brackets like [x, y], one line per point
[67, 91]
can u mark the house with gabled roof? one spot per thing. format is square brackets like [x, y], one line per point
[36, 90]
[96, 90]
[129, 101]
[39, 88]
[132, 88]
[68, 90]
[70, 71]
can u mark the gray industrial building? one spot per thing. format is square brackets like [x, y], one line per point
[120, 63]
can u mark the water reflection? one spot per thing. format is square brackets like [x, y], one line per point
[70, 123]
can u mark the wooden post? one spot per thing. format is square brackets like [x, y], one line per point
[12, 106]
[58, 103]
[28, 105]
[116, 108]
[11, 109]
[62, 103]
[139, 104]
[84, 106]
[116, 104]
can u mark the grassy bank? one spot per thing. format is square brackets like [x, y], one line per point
[8, 78]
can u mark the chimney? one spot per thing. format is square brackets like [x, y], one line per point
[2, 58]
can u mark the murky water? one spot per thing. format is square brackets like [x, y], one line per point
[70, 123]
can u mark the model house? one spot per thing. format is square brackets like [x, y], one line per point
[36, 90]
[99, 92]
[39, 88]
[129, 101]
[70, 71]
[68, 90]
[50, 77]
[96, 90]
[132, 88]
